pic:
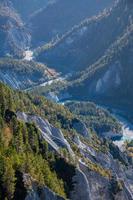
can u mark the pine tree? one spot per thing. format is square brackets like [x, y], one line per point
[10, 101]
[20, 138]
[2, 104]
[9, 179]
[45, 149]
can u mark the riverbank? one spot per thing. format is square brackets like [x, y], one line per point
[127, 129]
[127, 126]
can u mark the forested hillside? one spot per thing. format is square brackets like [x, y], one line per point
[22, 74]
[30, 166]
[22, 151]
[58, 57]
[111, 76]
[63, 18]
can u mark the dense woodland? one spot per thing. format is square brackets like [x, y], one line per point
[22, 151]
[96, 118]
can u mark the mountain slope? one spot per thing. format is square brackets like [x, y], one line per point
[53, 151]
[22, 74]
[107, 60]
[111, 76]
[61, 16]
[30, 7]
[30, 167]
[14, 38]
[86, 43]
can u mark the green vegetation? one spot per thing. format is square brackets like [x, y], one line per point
[129, 148]
[21, 146]
[21, 66]
[22, 73]
[112, 50]
[22, 150]
[25, 153]
[99, 169]
[94, 117]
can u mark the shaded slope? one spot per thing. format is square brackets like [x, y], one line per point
[22, 74]
[62, 16]
[14, 37]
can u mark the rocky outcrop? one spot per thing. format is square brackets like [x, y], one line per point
[52, 135]
[110, 79]
[104, 175]
[112, 135]
[43, 194]
[81, 187]
[34, 192]
[80, 127]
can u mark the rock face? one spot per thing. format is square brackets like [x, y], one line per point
[91, 184]
[52, 135]
[14, 38]
[111, 78]
[43, 194]
[102, 174]
[80, 127]
[81, 187]
[105, 173]
[39, 193]
[112, 135]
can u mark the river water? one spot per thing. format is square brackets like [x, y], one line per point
[127, 129]
[127, 126]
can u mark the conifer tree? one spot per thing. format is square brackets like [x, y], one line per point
[9, 179]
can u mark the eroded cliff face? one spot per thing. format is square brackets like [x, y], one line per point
[105, 173]
[111, 78]
[81, 187]
[52, 135]
[34, 192]
[91, 184]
